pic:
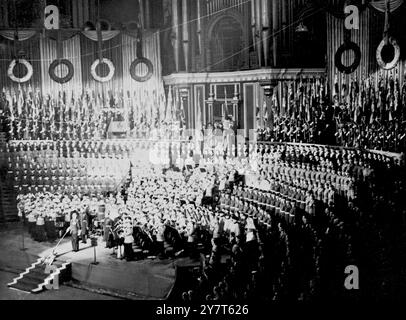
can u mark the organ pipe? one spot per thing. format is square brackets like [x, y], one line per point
[147, 15]
[265, 31]
[199, 26]
[253, 23]
[258, 38]
[175, 30]
[142, 15]
[185, 29]
[284, 23]
[275, 20]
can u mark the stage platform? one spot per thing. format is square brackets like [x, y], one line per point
[142, 280]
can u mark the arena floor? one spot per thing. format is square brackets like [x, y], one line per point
[141, 280]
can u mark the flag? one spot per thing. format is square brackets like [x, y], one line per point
[182, 110]
[199, 125]
[169, 106]
[225, 107]
[20, 101]
[336, 88]
[265, 111]
[397, 95]
[290, 99]
[284, 100]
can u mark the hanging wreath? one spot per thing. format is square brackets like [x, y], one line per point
[12, 76]
[52, 69]
[349, 45]
[134, 65]
[109, 75]
[392, 64]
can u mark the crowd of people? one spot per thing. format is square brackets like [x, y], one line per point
[50, 213]
[267, 219]
[315, 211]
[367, 114]
[281, 223]
[43, 169]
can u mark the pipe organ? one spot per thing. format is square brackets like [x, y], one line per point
[3, 13]
[175, 32]
[204, 33]
[217, 6]
[185, 33]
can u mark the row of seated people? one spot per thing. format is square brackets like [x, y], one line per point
[67, 187]
[291, 252]
[89, 146]
[337, 158]
[43, 172]
[266, 257]
[130, 152]
[40, 181]
[282, 199]
[102, 174]
[68, 153]
[26, 163]
[304, 176]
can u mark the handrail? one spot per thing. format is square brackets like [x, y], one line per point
[50, 258]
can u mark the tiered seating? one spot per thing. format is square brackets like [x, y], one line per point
[49, 173]
[308, 211]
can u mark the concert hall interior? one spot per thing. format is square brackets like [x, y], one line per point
[205, 150]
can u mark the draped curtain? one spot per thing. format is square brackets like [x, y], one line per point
[146, 99]
[151, 90]
[22, 35]
[380, 5]
[71, 51]
[151, 49]
[368, 38]
[32, 54]
[111, 49]
[335, 38]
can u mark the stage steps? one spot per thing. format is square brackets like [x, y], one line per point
[35, 278]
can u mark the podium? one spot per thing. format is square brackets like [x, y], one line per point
[118, 129]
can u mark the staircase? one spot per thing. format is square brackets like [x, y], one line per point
[35, 279]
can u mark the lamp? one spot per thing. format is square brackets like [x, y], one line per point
[302, 28]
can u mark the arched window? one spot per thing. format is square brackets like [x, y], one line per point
[226, 44]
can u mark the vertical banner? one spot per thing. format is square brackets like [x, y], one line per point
[335, 38]
[70, 51]
[112, 50]
[31, 52]
[148, 97]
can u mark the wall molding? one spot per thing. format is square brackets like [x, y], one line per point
[265, 74]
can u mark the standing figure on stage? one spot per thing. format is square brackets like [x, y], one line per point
[75, 231]
[128, 239]
[84, 227]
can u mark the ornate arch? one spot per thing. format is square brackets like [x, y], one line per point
[211, 28]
